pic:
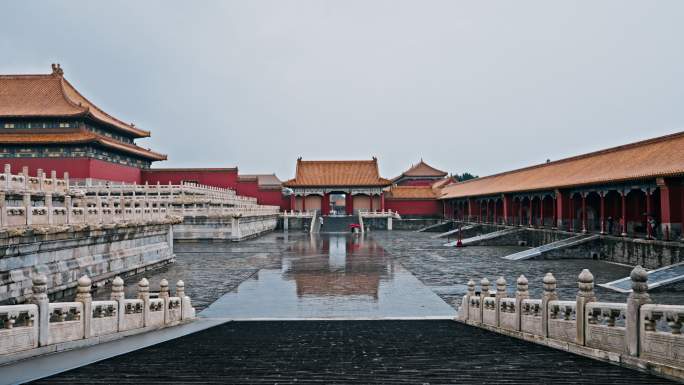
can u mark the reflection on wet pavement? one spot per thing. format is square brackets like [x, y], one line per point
[332, 276]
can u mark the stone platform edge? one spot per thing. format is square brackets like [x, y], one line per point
[12, 358]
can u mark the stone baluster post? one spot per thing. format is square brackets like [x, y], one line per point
[41, 179]
[484, 293]
[466, 299]
[122, 206]
[40, 299]
[549, 295]
[3, 210]
[98, 207]
[235, 231]
[639, 296]
[48, 205]
[66, 180]
[164, 294]
[585, 295]
[53, 179]
[27, 208]
[83, 296]
[144, 295]
[501, 292]
[69, 207]
[180, 293]
[25, 174]
[8, 176]
[119, 296]
[520, 294]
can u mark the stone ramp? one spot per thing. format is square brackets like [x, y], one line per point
[351, 352]
[454, 231]
[338, 224]
[557, 245]
[428, 228]
[486, 236]
[656, 278]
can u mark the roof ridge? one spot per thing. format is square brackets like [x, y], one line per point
[129, 126]
[64, 95]
[580, 156]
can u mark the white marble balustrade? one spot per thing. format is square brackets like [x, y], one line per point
[41, 323]
[636, 333]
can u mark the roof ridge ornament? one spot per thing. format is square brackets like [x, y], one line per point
[57, 70]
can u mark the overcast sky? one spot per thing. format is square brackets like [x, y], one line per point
[478, 86]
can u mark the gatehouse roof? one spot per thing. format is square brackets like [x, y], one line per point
[51, 95]
[337, 173]
[421, 169]
[658, 157]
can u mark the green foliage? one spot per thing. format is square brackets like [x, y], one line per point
[465, 176]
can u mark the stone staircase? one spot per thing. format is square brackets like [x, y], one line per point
[338, 224]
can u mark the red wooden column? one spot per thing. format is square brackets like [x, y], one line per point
[571, 209]
[602, 194]
[382, 202]
[304, 202]
[649, 231]
[325, 204]
[349, 204]
[584, 212]
[495, 205]
[293, 202]
[530, 213]
[480, 204]
[554, 223]
[520, 212]
[541, 212]
[486, 211]
[623, 194]
[370, 198]
[506, 209]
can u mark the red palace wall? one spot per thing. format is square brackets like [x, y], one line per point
[427, 207]
[226, 178]
[247, 188]
[77, 168]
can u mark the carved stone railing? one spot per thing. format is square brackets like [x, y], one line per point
[661, 333]
[298, 214]
[606, 326]
[39, 184]
[41, 201]
[562, 318]
[531, 316]
[25, 329]
[379, 214]
[637, 333]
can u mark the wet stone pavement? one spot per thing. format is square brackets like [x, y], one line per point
[395, 275]
[446, 270]
[350, 352]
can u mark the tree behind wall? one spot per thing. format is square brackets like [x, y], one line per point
[465, 176]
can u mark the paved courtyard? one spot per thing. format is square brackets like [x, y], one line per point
[384, 276]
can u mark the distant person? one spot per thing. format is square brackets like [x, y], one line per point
[610, 225]
[654, 227]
